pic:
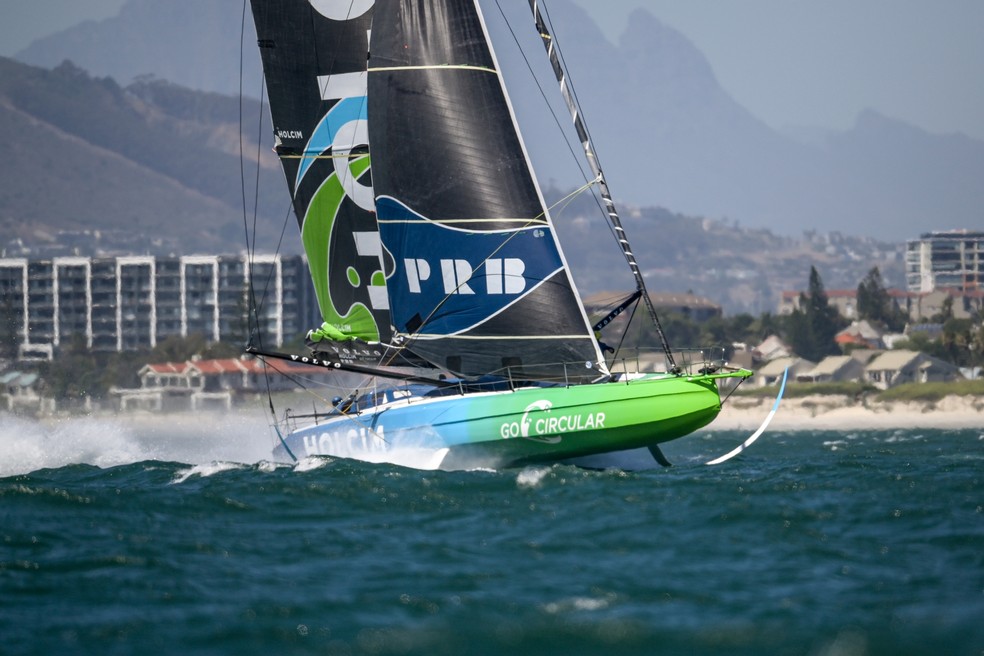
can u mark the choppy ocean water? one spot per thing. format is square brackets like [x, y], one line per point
[175, 540]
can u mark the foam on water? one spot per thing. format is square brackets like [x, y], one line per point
[410, 457]
[245, 437]
[532, 476]
[205, 470]
[578, 604]
[267, 467]
[311, 463]
[27, 445]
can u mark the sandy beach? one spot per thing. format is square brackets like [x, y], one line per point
[834, 413]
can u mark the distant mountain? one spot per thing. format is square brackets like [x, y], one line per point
[189, 42]
[154, 167]
[667, 132]
[151, 163]
[692, 148]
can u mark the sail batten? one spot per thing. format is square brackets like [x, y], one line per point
[524, 222]
[438, 67]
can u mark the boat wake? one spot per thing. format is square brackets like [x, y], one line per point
[28, 445]
[531, 476]
[205, 471]
[409, 457]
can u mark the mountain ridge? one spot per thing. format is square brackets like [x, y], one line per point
[690, 147]
[81, 153]
[62, 176]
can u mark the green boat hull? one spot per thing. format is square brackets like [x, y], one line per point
[523, 426]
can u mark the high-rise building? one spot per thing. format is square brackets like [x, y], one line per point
[945, 260]
[131, 303]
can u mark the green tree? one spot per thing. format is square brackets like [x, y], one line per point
[977, 344]
[74, 374]
[946, 311]
[716, 331]
[177, 349]
[812, 327]
[681, 331]
[767, 324]
[741, 328]
[798, 332]
[921, 342]
[876, 306]
[957, 341]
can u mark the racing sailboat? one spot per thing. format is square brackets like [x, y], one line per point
[434, 257]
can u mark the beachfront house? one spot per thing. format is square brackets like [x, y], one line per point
[201, 384]
[19, 392]
[771, 372]
[834, 368]
[893, 368]
[772, 347]
[860, 334]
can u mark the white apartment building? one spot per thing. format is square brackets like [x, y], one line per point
[131, 303]
[945, 260]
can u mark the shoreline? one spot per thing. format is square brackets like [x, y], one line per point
[816, 412]
[819, 412]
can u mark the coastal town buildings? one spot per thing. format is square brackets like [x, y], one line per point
[882, 369]
[200, 384]
[833, 369]
[896, 367]
[951, 259]
[917, 306]
[771, 372]
[129, 303]
[860, 334]
[944, 270]
[19, 392]
[691, 306]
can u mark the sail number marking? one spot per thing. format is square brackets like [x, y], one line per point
[501, 275]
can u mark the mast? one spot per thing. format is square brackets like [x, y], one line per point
[613, 217]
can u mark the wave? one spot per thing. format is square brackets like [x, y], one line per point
[29, 444]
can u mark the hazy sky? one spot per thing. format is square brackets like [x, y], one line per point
[819, 63]
[790, 62]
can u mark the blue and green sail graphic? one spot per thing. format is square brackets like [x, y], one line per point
[338, 253]
[314, 60]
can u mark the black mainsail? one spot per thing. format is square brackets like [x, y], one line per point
[479, 280]
[314, 60]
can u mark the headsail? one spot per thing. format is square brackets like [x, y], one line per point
[314, 61]
[479, 280]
